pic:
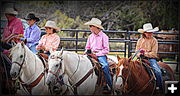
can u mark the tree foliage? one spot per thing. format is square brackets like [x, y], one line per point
[115, 15]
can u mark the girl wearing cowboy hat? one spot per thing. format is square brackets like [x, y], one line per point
[50, 40]
[98, 43]
[150, 45]
[32, 33]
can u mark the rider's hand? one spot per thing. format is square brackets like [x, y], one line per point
[2, 40]
[138, 55]
[93, 56]
[38, 47]
[43, 48]
[19, 38]
[84, 53]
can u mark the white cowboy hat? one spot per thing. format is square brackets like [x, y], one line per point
[95, 22]
[51, 24]
[148, 28]
[10, 11]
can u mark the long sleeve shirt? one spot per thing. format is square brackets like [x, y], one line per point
[49, 41]
[32, 35]
[99, 44]
[149, 45]
[14, 26]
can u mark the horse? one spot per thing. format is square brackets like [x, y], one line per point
[5, 78]
[29, 70]
[136, 79]
[80, 71]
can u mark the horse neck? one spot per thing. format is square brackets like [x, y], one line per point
[76, 66]
[137, 74]
[33, 68]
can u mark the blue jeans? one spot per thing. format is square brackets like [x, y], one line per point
[33, 49]
[105, 66]
[157, 71]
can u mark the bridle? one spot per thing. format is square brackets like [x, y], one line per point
[124, 89]
[28, 86]
[20, 64]
[73, 87]
[58, 70]
[60, 78]
[125, 79]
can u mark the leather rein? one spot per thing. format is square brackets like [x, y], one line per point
[62, 75]
[124, 87]
[28, 87]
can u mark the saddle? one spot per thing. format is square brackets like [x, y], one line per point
[98, 69]
[45, 56]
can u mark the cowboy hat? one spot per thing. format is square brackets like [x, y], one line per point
[95, 22]
[10, 11]
[148, 28]
[31, 16]
[52, 25]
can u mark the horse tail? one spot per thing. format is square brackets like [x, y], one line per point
[168, 69]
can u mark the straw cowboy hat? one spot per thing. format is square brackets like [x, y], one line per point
[32, 16]
[10, 11]
[148, 28]
[95, 22]
[52, 25]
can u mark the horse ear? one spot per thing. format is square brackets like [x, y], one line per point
[118, 57]
[50, 50]
[22, 43]
[61, 51]
[13, 44]
[129, 59]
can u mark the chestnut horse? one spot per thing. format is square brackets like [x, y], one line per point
[136, 79]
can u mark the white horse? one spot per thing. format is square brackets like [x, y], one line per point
[76, 66]
[29, 70]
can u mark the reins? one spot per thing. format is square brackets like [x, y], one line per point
[126, 79]
[21, 63]
[74, 86]
[77, 67]
[28, 87]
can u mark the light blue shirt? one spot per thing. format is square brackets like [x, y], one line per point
[32, 35]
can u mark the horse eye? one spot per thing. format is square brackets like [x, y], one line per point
[21, 56]
[57, 65]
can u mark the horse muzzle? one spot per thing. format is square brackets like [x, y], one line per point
[50, 81]
[14, 74]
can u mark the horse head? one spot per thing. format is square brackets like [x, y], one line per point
[56, 67]
[123, 69]
[18, 58]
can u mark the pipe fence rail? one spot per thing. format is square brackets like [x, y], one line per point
[127, 40]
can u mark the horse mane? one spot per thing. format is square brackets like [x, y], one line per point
[16, 46]
[132, 63]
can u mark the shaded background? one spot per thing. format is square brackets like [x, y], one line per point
[115, 15]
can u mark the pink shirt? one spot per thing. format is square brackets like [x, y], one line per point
[99, 44]
[13, 27]
[49, 41]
